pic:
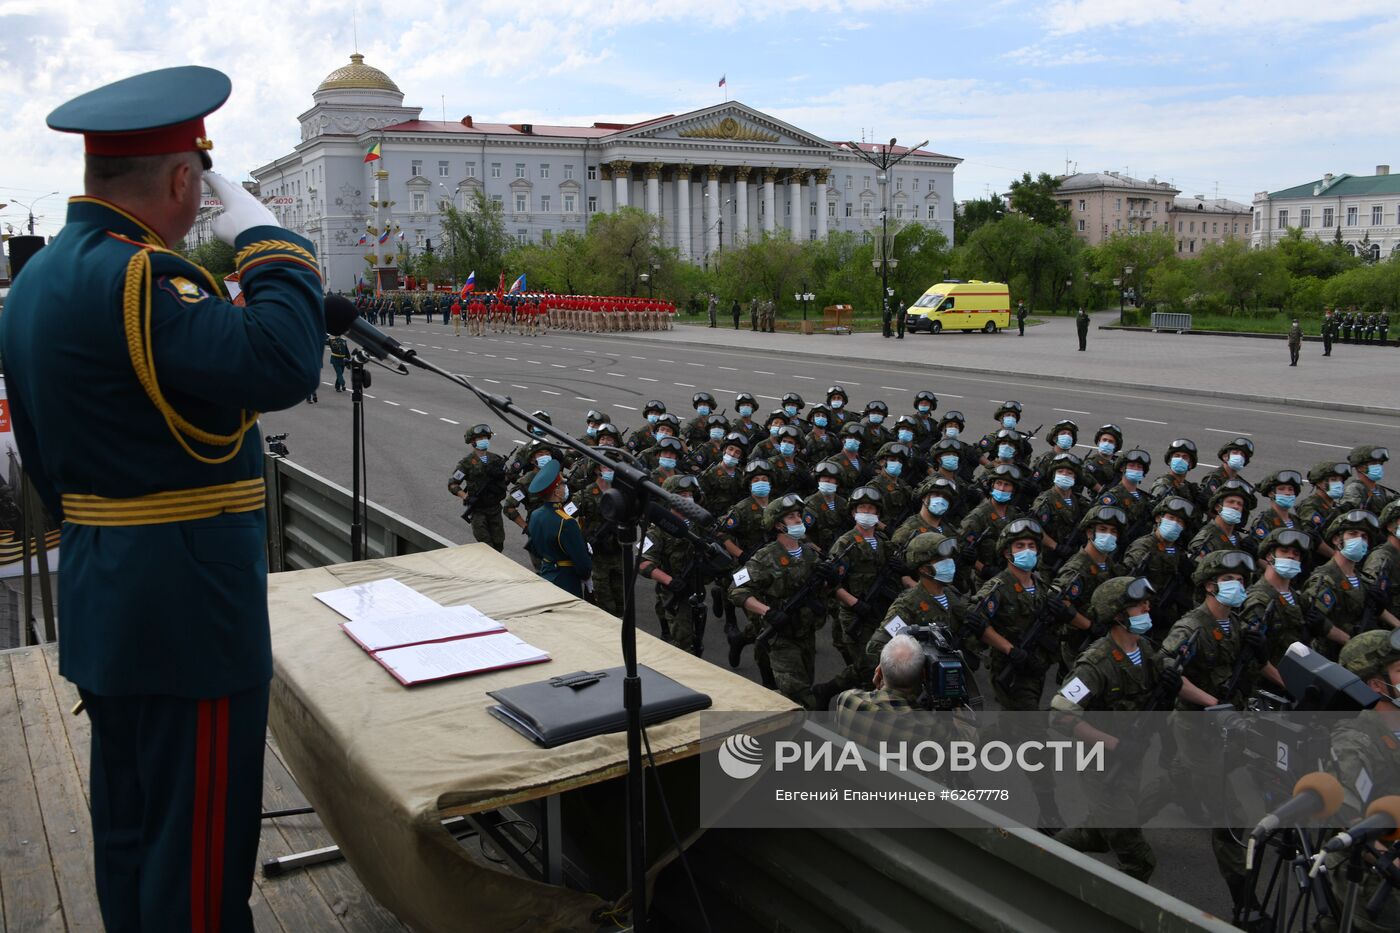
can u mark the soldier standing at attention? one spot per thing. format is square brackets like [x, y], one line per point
[340, 352]
[1081, 325]
[163, 570]
[480, 482]
[713, 307]
[1295, 342]
[735, 312]
[1328, 322]
[1021, 318]
[555, 536]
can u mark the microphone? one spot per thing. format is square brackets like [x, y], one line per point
[1316, 796]
[342, 318]
[1382, 822]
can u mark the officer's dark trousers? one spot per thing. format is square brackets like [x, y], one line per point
[176, 807]
[339, 366]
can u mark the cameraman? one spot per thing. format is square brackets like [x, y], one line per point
[899, 679]
[1367, 762]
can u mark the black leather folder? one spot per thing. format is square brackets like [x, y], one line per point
[588, 703]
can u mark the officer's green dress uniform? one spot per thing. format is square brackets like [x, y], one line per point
[556, 539]
[481, 474]
[162, 573]
[340, 354]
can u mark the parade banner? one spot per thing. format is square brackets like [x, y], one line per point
[11, 546]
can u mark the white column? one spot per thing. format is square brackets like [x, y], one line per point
[741, 200]
[714, 211]
[605, 189]
[820, 227]
[794, 196]
[682, 184]
[769, 208]
[654, 188]
[622, 179]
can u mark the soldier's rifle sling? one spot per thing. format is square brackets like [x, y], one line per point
[804, 593]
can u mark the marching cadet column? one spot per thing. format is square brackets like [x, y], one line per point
[153, 462]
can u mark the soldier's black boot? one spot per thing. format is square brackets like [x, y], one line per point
[823, 692]
[765, 672]
[737, 641]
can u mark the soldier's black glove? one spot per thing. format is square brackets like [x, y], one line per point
[1019, 657]
[1315, 619]
[678, 585]
[775, 617]
[898, 567]
[967, 554]
[1255, 643]
[1170, 678]
[827, 573]
[861, 609]
[1377, 595]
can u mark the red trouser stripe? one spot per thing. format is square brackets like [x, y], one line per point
[210, 802]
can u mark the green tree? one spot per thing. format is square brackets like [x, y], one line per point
[1306, 256]
[1141, 251]
[475, 239]
[214, 255]
[621, 246]
[1039, 199]
[970, 217]
[771, 267]
[1242, 278]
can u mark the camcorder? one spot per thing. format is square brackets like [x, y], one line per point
[948, 683]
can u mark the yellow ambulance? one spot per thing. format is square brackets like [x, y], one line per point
[957, 305]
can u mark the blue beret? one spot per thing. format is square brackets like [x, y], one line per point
[545, 477]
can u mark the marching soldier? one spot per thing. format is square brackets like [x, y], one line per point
[480, 482]
[723, 483]
[1280, 490]
[931, 559]
[870, 579]
[555, 537]
[1335, 592]
[1270, 602]
[827, 507]
[980, 531]
[1061, 438]
[1157, 557]
[1234, 457]
[1328, 478]
[1181, 459]
[600, 534]
[1128, 494]
[1381, 570]
[340, 353]
[1008, 413]
[1364, 489]
[665, 560]
[821, 443]
[1228, 507]
[936, 498]
[1058, 509]
[1081, 574]
[1100, 467]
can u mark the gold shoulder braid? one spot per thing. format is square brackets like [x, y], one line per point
[136, 308]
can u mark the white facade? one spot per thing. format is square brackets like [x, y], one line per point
[1364, 209]
[715, 177]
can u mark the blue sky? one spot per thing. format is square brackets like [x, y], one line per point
[1245, 96]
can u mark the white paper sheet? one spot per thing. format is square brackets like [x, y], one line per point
[441, 659]
[376, 599]
[412, 628]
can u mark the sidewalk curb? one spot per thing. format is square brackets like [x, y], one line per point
[1307, 338]
[1096, 383]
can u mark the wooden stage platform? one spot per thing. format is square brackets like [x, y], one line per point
[46, 880]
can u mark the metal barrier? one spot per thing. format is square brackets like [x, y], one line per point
[308, 522]
[1162, 320]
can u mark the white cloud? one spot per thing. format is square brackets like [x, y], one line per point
[1044, 55]
[1074, 16]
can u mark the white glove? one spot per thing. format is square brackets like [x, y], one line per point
[241, 212]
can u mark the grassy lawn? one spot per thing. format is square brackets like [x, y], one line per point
[1269, 322]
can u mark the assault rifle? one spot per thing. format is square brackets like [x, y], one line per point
[1132, 745]
[875, 595]
[1259, 623]
[1053, 611]
[491, 491]
[703, 567]
[821, 576]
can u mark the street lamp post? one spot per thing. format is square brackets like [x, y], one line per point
[1122, 286]
[30, 207]
[804, 298]
[646, 280]
[883, 164]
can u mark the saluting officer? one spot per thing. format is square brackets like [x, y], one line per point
[163, 570]
[554, 534]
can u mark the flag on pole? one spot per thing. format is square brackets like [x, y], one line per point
[384, 237]
[501, 285]
[721, 84]
[519, 287]
[364, 239]
[470, 284]
[401, 236]
[373, 154]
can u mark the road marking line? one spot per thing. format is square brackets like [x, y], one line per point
[701, 365]
[512, 359]
[1240, 433]
[492, 355]
[494, 381]
[951, 395]
[534, 362]
[516, 440]
[1319, 444]
[514, 386]
[584, 398]
[548, 392]
[648, 379]
[660, 360]
[1076, 411]
[638, 357]
[455, 350]
[545, 345]
[582, 370]
[623, 375]
[558, 365]
[803, 377]
[764, 372]
[730, 368]
[472, 352]
[620, 405]
[449, 420]
[895, 388]
[1145, 420]
[395, 404]
[772, 398]
[367, 395]
[853, 383]
[418, 411]
[437, 348]
[331, 384]
[682, 384]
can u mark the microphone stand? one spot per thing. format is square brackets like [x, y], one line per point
[633, 494]
[359, 505]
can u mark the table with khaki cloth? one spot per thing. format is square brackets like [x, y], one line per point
[383, 764]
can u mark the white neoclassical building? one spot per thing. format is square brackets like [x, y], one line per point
[1363, 211]
[715, 176]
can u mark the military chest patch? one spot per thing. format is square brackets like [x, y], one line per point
[1327, 599]
[183, 289]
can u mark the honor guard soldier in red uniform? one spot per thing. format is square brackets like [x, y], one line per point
[153, 463]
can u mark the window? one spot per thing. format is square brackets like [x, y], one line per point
[848, 208]
[933, 212]
[1081, 225]
[544, 204]
[867, 182]
[592, 173]
[1256, 221]
[831, 208]
[1214, 227]
[442, 170]
[1117, 223]
[1117, 204]
[811, 234]
[520, 200]
[1326, 217]
[1351, 217]
[1178, 226]
[546, 237]
[522, 235]
[916, 184]
[812, 205]
[850, 179]
[1193, 246]
[899, 184]
[1192, 225]
[520, 170]
[570, 206]
[471, 169]
[495, 170]
[787, 208]
[1282, 221]
[418, 199]
[899, 211]
[497, 200]
[1179, 245]
[1236, 227]
[865, 209]
[1375, 215]
[544, 170]
[1081, 205]
[568, 172]
[1305, 217]
[416, 168]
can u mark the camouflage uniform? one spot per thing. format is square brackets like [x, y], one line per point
[860, 565]
[829, 519]
[721, 488]
[774, 576]
[607, 554]
[1058, 512]
[1090, 574]
[1333, 595]
[983, 521]
[1010, 611]
[482, 471]
[1382, 564]
[914, 526]
[917, 606]
[672, 555]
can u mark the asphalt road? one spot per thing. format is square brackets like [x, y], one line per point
[414, 428]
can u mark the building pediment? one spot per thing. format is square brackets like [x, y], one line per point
[570, 184]
[418, 181]
[731, 122]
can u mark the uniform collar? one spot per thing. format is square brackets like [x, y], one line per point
[96, 212]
